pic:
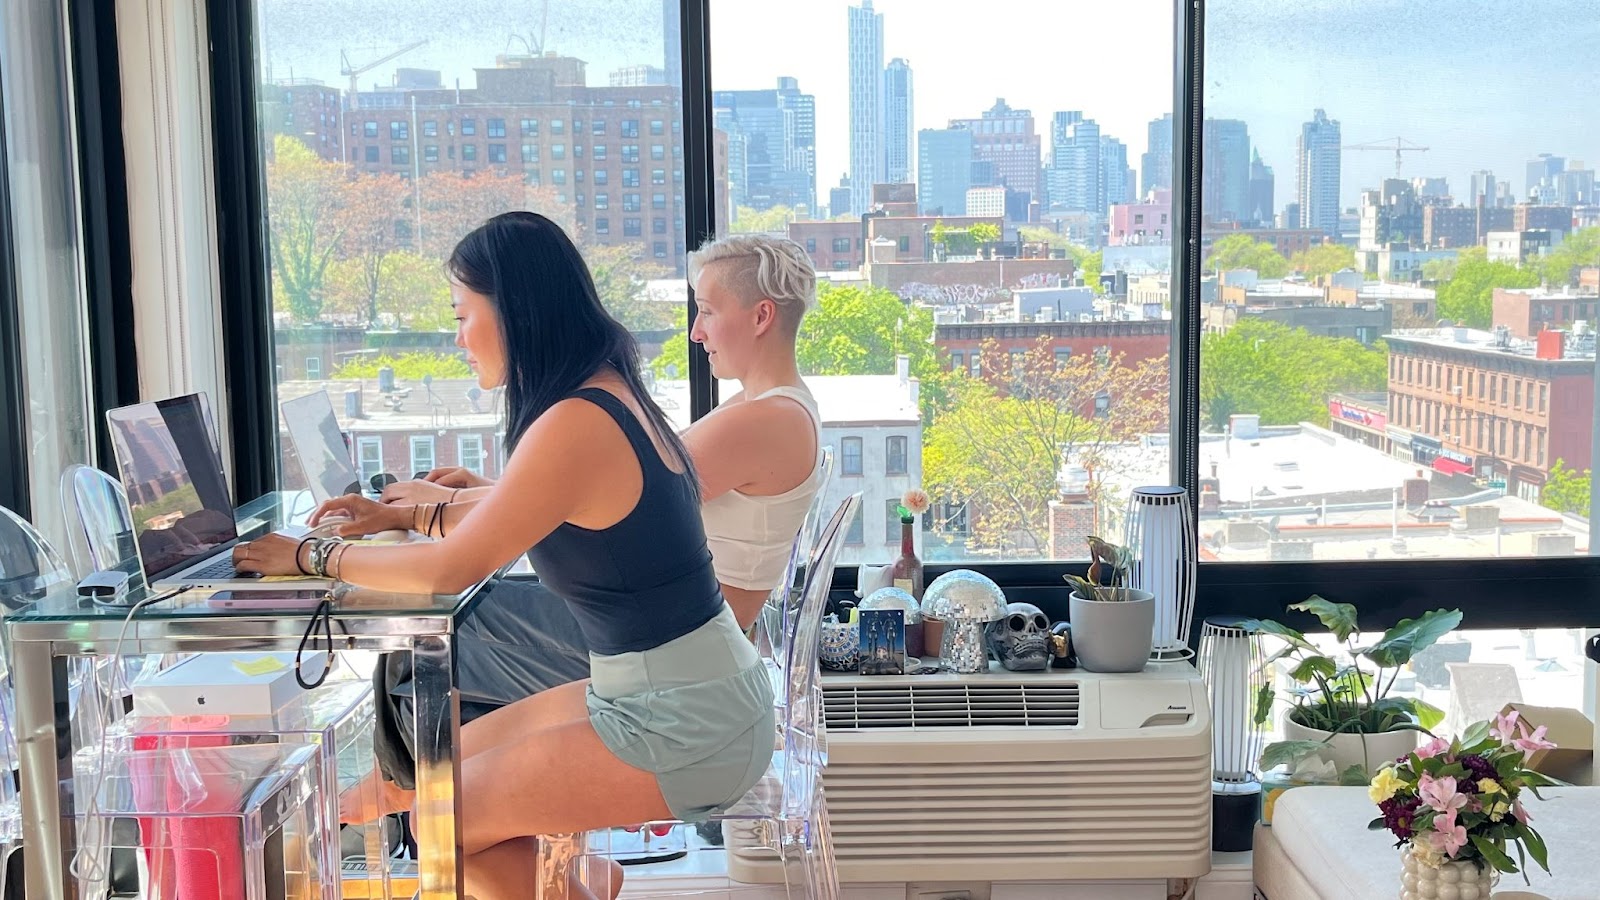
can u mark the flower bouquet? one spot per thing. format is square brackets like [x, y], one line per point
[1457, 807]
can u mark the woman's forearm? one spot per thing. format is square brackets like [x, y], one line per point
[417, 568]
[440, 519]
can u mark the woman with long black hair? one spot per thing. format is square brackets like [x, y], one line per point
[676, 720]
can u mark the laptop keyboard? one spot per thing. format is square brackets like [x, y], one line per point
[221, 569]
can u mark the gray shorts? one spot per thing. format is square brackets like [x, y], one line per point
[696, 712]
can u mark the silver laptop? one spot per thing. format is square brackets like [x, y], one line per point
[183, 521]
[320, 446]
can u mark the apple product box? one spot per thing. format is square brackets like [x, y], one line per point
[234, 684]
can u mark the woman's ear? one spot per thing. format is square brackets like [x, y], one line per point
[766, 315]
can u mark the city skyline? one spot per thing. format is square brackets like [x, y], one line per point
[1464, 89]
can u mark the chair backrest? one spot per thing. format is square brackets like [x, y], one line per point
[29, 567]
[802, 713]
[785, 598]
[105, 523]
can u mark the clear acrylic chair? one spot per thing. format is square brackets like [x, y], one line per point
[785, 814]
[29, 567]
[772, 625]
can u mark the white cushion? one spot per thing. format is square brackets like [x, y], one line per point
[1321, 833]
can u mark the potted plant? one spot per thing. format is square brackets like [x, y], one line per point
[1345, 711]
[1112, 624]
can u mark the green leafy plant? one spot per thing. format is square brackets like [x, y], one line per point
[1348, 698]
[1107, 578]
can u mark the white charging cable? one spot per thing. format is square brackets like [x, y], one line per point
[88, 862]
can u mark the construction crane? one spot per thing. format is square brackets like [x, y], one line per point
[355, 72]
[533, 42]
[1397, 144]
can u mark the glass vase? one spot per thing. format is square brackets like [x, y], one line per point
[1450, 880]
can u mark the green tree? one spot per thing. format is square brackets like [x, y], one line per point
[407, 367]
[1468, 298]
[1090, 266]
[304, 225]
[940, 231]
[984, 232]
[1566, 490]
[860, 329]
[1578, 251]
[775, 220]
[371, 208]
[999, 441]
[413, 293]
[1437, 270]
[673, 360]
[1042, 235]
[1323, 259]
[1241, 251]
[621, 278]
[1282, 374]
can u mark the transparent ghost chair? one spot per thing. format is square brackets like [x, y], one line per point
[772, 625]
[784, 818]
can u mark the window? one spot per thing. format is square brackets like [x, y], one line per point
[497, 153]
[659, 250]
[632, 228]
[599, 152]
[558, 126]
[658, 225]
[469, 126]
[850, 456]
[370, 154]
[469, 453]
[658, 201]
[601, 201]
[430, 128]
[530, 153]
[841, 245]
[958, 361]
[469, 152]
[400, 155]
[630, 153]
[891, 522]
[1544, 393]
[369, 456]
[895, 455]
[430, 153]
[658, 151]
[630, 203]
[530, 127]
[558, 176]
[630, 177]
[630, 128]
[558, 151]
[657, 127]
[811, 245]
[497, 128]
[422, 454]
[602, 225]
[598, 126]
[658, 176]
[313, 368]
[369, 129]
[398, 131]
[601, 176]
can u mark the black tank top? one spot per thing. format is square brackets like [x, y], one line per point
[647, 579]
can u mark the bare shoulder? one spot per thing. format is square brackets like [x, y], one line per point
[773, 420]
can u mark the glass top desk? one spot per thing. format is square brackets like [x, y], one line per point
[60, 625]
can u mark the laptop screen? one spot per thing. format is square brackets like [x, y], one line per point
[172, 473]
[314, 433]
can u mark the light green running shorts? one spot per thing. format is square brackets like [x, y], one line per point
[696, 712]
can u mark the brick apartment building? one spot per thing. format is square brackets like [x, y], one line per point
[1528, 311]
[1475, 403]
[1454, 227]
[842, 246]
[963, 344]
[1287, 241]
[614, 154]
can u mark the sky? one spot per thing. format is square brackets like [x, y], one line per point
[1481, 83]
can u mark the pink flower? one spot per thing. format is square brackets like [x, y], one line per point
[916, 500]
[1440, 794]
[1519, 812]
[1528, 743]
[1447, 837]
[1432, 748]
[1505, 727]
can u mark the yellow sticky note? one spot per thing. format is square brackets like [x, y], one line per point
[261, 665]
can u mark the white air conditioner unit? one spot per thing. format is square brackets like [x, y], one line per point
[1056, 775]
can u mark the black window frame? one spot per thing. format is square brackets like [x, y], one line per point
[1548, 591]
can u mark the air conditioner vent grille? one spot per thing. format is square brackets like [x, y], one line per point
[856, 707]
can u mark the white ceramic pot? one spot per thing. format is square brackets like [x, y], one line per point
[1113, 636]
[1370, 751]
[1451, 880]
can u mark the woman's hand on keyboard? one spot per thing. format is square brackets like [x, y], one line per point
[411, 493]
[457, 477]
[362, 516]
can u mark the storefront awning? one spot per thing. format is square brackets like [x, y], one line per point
[1450, 467]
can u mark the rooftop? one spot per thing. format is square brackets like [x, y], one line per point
[448, 403]
[1579, 345]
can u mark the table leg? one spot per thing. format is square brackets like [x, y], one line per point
[438, 722]
[44, 743]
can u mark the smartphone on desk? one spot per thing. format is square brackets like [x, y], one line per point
[287, 600]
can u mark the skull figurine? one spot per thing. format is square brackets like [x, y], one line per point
[1021, 640]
